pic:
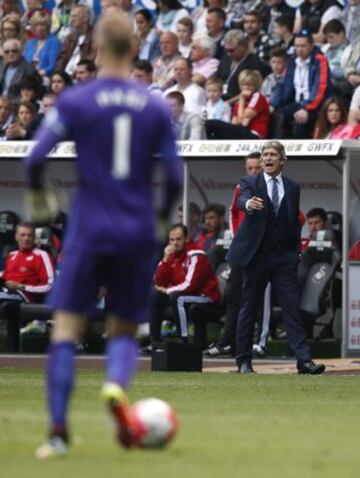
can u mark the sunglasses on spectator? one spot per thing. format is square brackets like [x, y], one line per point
[11, 51]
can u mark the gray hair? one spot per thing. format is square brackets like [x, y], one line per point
[236, 36]
[206, 43]
[279, 148]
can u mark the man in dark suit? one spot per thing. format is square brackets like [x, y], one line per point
[237, 58]
[267, 246]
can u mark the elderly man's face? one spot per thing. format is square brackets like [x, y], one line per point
[12, 52]
[168, 45]
[25, 238]
[271, 162]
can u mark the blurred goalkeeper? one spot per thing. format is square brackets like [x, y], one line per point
[117, 128]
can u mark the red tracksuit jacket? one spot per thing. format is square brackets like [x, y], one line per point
[190, 273]
[33, 268]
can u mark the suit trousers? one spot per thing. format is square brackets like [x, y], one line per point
[279, 268]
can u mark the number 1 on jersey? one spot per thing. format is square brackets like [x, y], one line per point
[121, 148]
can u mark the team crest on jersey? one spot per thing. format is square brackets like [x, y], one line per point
[30, 258]
[23, 269]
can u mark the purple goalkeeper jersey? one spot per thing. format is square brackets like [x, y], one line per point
[117, 127]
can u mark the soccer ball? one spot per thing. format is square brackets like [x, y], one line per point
[157, 422]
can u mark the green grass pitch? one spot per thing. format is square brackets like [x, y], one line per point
[230, 426]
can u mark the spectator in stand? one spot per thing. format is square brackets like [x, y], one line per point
[316, 220]
[9, 6]
[283, 31]
[273, 10]
[10, 28]
[278, 62]
[199, 15]
[251, 113]
[32, 7]
[334, 51]
[237, 59]
[48, 102]
[195, 96]
[216, 108]
[42, 50]
[350, 18]
[193, 226]
[61, 19]
[163, 66]
[183, 276]
[149, 39]
[79, 44]
[187, 126]
[236, 10]
[143, 73]
[214, 226]
[85, 70]
[313, 15]
[305, 86]
[30, 92]
[332, 120]
[354, 112]
[215, 28]
[352, 66]
[169, 13]
[203, 64]
[6, 116]
[226, 343]
[58, 81]
[19, 130]
[259, 42]
[29, 272]
[184, 32]
[15, 70]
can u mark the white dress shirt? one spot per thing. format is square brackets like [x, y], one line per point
[280, 185]
[301, 79]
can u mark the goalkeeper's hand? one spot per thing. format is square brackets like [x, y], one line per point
[42, 204]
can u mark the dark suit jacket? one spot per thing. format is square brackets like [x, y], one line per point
[24, 71]
[251, 231]
[251, 62]
[87, 49]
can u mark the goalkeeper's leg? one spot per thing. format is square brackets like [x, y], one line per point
[122, 352]
[67, 330]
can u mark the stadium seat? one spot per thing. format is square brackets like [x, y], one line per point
[8, 222]
[44, 239]
[317, 269]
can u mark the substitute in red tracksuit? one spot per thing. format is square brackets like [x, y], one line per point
[183, 276]
[29, 271]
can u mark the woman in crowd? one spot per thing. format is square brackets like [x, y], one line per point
[9, 6]
[204, 65]
[184, 32]
[44, 49]
[251, 113]
[149, 39]
[58, 81]
[169, 13]
[332, 121]
[26, 115]
[10, 28]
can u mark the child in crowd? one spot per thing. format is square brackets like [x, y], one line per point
[251, 114]
[216, 108]
[278, 61]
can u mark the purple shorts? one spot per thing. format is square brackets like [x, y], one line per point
[127, 279]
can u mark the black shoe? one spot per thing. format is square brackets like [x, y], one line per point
[246, 367]
[216, 351]
[310, 368]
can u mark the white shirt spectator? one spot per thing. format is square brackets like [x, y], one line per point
[195, 97]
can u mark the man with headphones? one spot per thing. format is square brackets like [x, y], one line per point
[267, 246]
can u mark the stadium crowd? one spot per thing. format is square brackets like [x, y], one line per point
[243, 69]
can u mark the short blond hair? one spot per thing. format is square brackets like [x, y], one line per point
[40, 17]
[251, 76]
[114, 32]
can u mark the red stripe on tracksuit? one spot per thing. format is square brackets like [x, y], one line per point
[323, 81]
